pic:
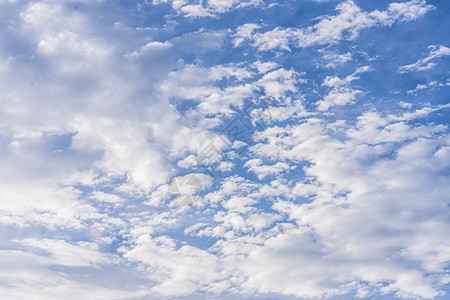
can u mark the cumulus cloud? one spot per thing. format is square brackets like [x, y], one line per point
[256, 166]
[348, 181]
[193, 82]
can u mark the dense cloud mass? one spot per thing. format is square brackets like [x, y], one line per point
[223, 149]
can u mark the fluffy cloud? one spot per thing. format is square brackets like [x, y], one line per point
[341, 93]
[349, 180]
[103, 106]
[255, 165]
[37, 275]
[178, 271]
[197, 83]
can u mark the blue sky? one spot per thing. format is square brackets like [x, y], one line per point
[224, 149]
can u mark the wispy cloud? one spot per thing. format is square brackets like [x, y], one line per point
[428, 62]
[345, 25]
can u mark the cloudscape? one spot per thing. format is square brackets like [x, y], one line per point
[224, 149]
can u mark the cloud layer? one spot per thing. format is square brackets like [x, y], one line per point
[224, 149]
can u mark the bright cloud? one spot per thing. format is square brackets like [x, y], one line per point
[346, 25]
[427, 62]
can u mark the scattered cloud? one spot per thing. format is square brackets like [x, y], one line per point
[209, 8]
[346, 25]
[111, 113]
[333, 59]
[341, 93]
[427, 62]
[429, 85]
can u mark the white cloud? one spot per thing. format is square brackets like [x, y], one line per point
[194, 11]
[45, 204]
[346, 25]
[350, 183]
[87, 85]
[91, 135]
[81, 254]
[177, 270]
[427, 62]
[418, 113]
[209, 8]
[277, 83]
[244, 32]
[256, 166]
[107, 198]
[334, 59]
[408, 11]
[264, 67]
[151, 47]
[34, 275]
[194, 82]
[429, 85]
[341, 93]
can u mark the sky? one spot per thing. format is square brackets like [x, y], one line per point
[224, 149]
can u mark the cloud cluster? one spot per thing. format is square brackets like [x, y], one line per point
[364, 208]
[340, 93]
[369, 201]
[105, 112]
